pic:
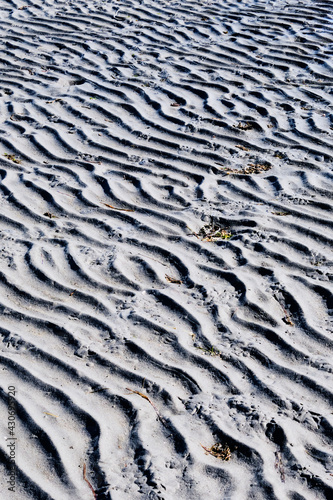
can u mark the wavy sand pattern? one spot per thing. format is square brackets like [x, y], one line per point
[166, 227]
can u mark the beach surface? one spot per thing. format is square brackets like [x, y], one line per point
[166, 257]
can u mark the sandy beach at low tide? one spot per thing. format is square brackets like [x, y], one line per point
[166, 252]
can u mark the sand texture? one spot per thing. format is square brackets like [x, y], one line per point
[166, 254]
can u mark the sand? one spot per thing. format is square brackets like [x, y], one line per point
[166, 250]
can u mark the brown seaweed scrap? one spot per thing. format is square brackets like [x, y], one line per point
[244, 126]
[287, 318]
[252, 168]
[87, 480]
[12, 158]
[170, 279]
[144, 396]
[120, 209]
[212, 232]
[218, 450]
[279, 466]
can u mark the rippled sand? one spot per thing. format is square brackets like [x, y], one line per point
[166, 249]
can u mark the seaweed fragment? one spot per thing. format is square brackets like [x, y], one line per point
[244, 126]
[49, 215]
[170, 279]
[252, 168]
[87, 480]
[213, 232]
[121, 209]
[144, 396]
[51, 414]
[12, 158]
[279, 466]
[286, 319]
[218, 450]
[212, 351]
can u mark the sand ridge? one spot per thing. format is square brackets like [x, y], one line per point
[166, 249]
